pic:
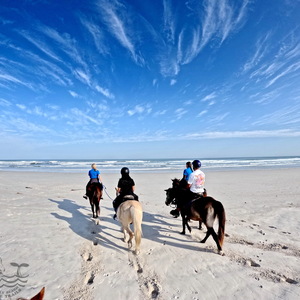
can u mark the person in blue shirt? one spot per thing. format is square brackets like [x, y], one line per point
[188, 171]
[95, 176]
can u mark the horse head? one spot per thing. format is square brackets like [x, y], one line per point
[170, 196]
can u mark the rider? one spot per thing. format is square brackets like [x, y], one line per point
[188, 171]
[126, 187]
[196, 180]
[195, 185]
[94, 177]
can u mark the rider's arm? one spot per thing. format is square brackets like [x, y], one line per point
[100, 179]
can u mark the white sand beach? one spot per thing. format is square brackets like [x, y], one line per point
[46, 224]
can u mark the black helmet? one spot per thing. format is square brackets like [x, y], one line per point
[125, 171]
[196, 164]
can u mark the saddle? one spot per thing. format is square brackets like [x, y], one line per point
[128, 197]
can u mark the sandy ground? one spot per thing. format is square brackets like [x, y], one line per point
[47, 226]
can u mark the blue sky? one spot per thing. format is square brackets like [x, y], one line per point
[149, 79]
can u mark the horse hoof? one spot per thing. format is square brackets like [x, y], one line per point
[221, 253]
[182, 232]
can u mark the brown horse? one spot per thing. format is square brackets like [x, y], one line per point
[38, 296]
[204, 209]
[95, 194]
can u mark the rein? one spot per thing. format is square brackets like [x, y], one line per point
[107, 193]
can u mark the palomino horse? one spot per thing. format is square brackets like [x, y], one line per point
[95, 194]
[204, 209]
[130, 211]
[38, 296]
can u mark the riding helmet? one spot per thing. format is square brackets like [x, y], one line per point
[125, 171]
[196, 164]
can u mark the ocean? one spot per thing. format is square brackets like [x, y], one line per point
[147, 165]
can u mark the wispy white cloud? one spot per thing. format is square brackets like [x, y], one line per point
[173, 81]
[116, 16]
[74, 94]
[4, 102]
[284, 116]
[139, 109]
[218, 118]
[208, 97]
[83, 76]
[40, 44]
[272, 62]
[260, 52]
[169, 21]
[160, 113]
[180, 112]
[79, 116]
[214, 22]
[96, 33]
[66, 43]
[105, 92]
[8, 79]
[244, 134]
[203, 112]
[219, 20]
[288, 70]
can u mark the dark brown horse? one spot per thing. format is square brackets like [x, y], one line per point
[204, 209]
[94, 193]
[39, 296]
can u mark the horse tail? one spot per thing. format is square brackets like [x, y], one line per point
[220, 212]
[137, 216]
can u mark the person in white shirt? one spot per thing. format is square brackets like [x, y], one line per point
[196, 180]
[195, 186]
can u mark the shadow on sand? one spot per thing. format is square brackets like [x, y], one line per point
[155, 228]
[83, 224]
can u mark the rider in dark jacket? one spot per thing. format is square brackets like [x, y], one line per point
[126, 187]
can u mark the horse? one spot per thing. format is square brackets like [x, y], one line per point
[38, 296]
[130, 211]
[95, 194]
[204, 209]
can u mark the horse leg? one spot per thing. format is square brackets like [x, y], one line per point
[183, 223]
[131, 235]
[188, 225]
[200, 225]
[215, 237]
[208, 233]
[92, 207]
[97, 209]
[124, 233]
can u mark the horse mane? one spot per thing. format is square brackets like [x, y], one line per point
[182, 183]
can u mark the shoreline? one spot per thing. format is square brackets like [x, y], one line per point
[47, 224]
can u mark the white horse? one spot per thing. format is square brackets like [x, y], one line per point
[131, 212]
